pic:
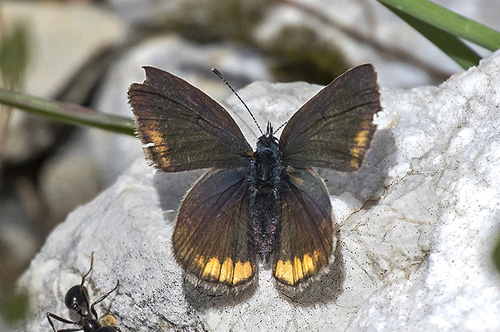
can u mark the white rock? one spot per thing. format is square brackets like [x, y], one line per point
[361, 31]
[70, 178]
[60, 39]
[375, 26]
[145, 11]
[415, 247]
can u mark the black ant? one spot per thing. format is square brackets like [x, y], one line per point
[77, 300]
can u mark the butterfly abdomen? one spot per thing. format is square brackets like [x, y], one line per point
[264, 204]
[264, 220]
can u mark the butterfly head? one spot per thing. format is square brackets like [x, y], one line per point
[268, 140]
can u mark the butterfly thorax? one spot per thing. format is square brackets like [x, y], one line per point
[266, 161]
[267, 171]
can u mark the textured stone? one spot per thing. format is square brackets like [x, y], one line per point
[417, 225]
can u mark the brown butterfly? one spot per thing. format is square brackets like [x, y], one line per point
[268, 202]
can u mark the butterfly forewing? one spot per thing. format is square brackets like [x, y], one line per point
[306, 238]
[212, 239]
[183, 128]
[334, 129]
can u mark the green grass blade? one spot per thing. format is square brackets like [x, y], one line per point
[69, 113]
[14, 55]
[452, 46]
[496, 254]
[448, 21]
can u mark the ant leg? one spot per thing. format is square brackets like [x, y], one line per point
[62, 320]
[102, 298]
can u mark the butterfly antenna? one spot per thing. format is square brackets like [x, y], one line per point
[280, 127]
[218, 73]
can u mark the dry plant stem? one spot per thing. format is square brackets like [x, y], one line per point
[393, 52]
[5, 115]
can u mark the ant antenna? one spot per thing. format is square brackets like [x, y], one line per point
[218, 73]
[280, 127]
[91, 266]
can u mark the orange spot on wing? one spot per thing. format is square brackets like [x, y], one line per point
[297, 180]
[360, 145]
[302, 268]
[155, 143]
[308, 264]
[212, 269]
[242, 272]
[284, 272]
[226, 272]
[298, 272]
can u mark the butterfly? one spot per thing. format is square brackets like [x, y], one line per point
[269, 202]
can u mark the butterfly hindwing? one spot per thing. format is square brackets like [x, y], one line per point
[334, 129]
[306, 239]
[212, 239]
[182, 128]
